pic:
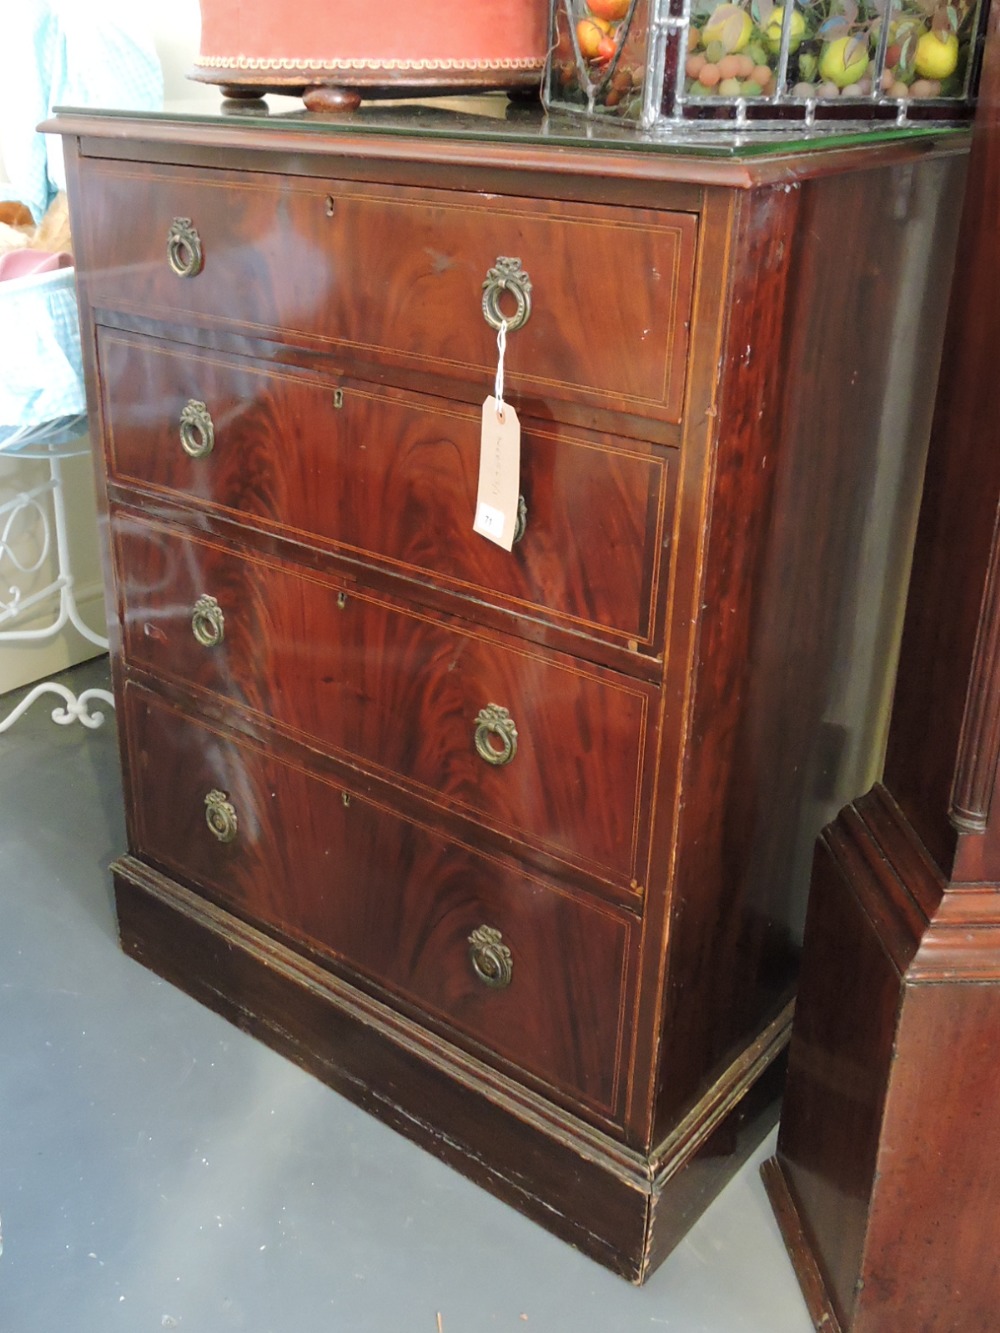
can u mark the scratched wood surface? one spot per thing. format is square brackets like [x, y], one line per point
[713, 425]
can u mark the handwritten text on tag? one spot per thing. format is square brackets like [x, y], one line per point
[499, 474]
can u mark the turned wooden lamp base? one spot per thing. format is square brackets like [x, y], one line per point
[342, 91]
[324, 97]
[241, 92]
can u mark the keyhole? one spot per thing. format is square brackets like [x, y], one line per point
[331, 206]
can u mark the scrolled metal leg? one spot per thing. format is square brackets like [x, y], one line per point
[76, 708]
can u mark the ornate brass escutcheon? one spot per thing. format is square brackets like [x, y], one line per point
[208, 624]
[220, 816]
[496, 735]
[197, 429]
[184, 248]
[491, 960]
[507, 275]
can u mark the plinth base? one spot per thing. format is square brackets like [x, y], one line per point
[623, 1208]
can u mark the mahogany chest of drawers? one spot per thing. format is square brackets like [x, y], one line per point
[509, 847]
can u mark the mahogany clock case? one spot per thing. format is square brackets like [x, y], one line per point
[886, 1177]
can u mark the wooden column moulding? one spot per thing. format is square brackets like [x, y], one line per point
[569, 973]
[887, 1176]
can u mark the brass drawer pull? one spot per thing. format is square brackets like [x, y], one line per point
[491, 959]
[506, 276]
[208, 624]
[220, 816]
[521, 521]
[184, 248]
[197, 429]
[495, 724]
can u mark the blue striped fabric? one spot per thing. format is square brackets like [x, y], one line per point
[41, 375]
[56, 52]
[89, 53]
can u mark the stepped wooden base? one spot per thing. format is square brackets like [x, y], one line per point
[624, 1209]
[886, 1181]
[799, 1249]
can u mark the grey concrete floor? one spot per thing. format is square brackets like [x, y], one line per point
[159, 1169]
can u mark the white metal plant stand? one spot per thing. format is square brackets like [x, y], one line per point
[42, 416]
[33, 507]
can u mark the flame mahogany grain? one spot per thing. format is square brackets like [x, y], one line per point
[387, 899]
[394, 691]
[387, 477]
[722, 436]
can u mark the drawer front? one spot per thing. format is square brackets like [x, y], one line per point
[388, 899]
[392, 478]
[410, 697]
[395, 275]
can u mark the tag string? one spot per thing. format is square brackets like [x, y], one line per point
[502, 349]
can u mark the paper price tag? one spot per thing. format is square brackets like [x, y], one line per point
[499, 474]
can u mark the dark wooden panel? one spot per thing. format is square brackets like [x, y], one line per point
[390, 900]
[931, 1259]
[575, 1181]
[932, 745]
[815, 494]
[911, 1173]
[397, 274]
[400, 692]
[886, 1173]
[841, 1047]
[680, 1197]
[392, 478]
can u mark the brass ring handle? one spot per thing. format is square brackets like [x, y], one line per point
[491, 960]
[507, 275]
[521, 521]
[197, 429]
[220, 816]
[184, 248]
[208, 624]
[495, 724]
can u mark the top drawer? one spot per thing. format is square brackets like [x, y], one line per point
[394, 275]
